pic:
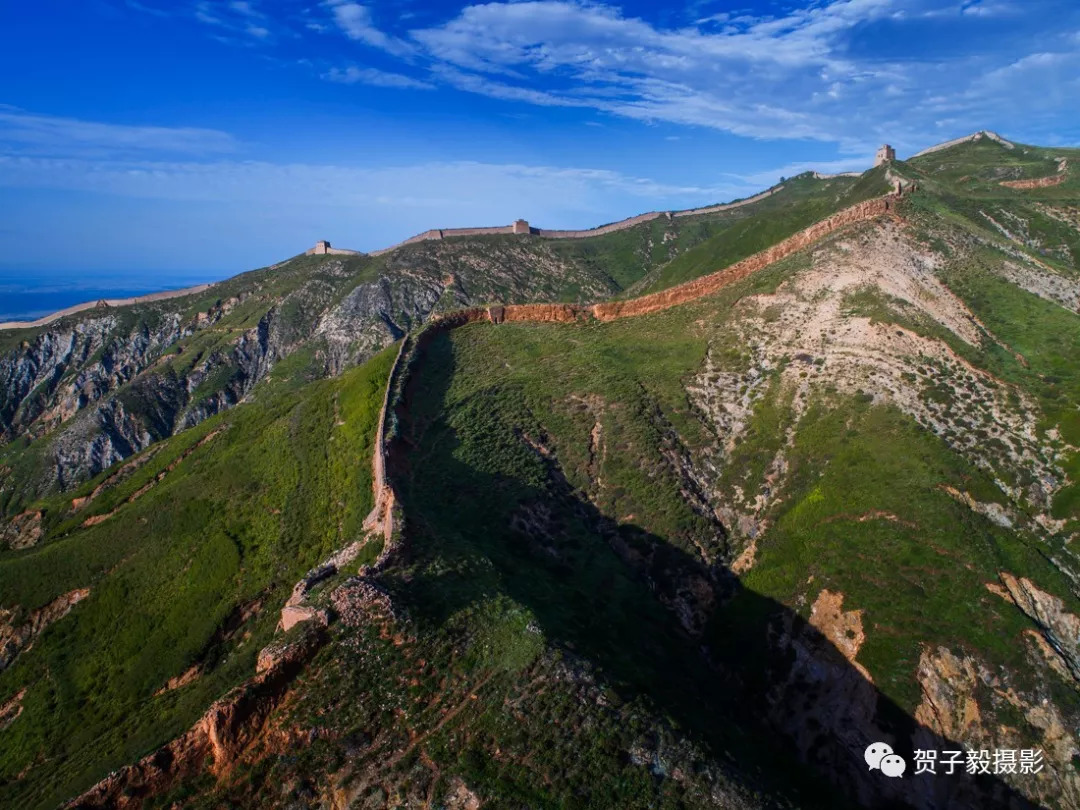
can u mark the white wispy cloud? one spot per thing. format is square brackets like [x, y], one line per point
[375, 78]
[239, 18]
[430, 184]
[356, 22]
[761, 77]
[27, 133]
[245, 8]
[205, 13]
[792, 75]
[990, 8]
[145, 9]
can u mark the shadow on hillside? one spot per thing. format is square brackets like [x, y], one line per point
[760, 687]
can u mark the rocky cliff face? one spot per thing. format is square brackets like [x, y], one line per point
[97, 387]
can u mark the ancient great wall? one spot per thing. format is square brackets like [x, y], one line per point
[522, 227]
[388, 440]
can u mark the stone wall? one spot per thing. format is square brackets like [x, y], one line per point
[612, 227]
[975, 136]
[451, 232]
[436, 234]
[885, 154]
[522, 227]
[712, 209]
[426, 236]
[381, 516]
[1041, 182]
[545, 313]
[387, 444]
[323, 248]
[706, 285]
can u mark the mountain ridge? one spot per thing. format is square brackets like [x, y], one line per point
[698, 557]
[595, 231]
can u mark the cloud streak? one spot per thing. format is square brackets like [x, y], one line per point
[356, 22]
[806, 74]
[375, 78]
[30, 134]
[426, 185]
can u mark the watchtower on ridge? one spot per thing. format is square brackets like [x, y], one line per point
[885, 154]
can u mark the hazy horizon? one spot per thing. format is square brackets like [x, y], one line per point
[27, 296]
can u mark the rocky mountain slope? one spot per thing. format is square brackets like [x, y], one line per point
[92, 388]
[697, 557]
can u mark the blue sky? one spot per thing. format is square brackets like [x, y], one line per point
[158, 137]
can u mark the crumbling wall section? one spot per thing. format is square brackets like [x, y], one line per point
[1041, 182]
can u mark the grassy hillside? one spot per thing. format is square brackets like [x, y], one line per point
[98, 386]
[568, 587]
[696, 558]
[803, 201]
[978, 168]
[555, 384]
[191, 573]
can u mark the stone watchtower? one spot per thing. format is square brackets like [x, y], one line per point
[521, 226]
[885, 154]
[322, 247]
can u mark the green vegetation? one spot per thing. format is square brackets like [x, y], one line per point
[566, 629]
[189, 574]
[552, 384]
[919, 570]
[973, 167]
[803, 201]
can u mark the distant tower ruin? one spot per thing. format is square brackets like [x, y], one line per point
[885, 154]
[322, 247]
[521, 226]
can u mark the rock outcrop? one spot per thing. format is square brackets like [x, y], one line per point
[15, 638]
[22, 531]
[216, 741]
[961, 695]
[1060, 628]
[1041, 182]
[94, 387]
[11, 708]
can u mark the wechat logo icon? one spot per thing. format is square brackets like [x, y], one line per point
[880, 755]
